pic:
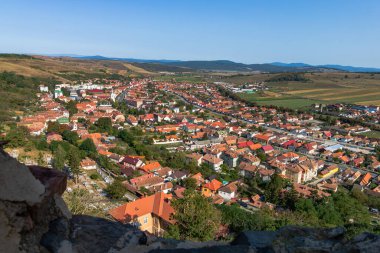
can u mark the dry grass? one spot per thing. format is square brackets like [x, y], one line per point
[271, 94]
[21, 69]
[57, 67]
[371, 102]
[294, 92]
[357, 94]
[137, 69]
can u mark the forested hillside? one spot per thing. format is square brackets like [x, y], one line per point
[18, 92]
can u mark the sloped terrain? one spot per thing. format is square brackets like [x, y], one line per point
[65, 68]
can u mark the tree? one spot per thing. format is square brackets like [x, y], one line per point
[55, 127]
[306, 206]
[88, 146]
[197, 218]
[116, 190]
[145, 191]
[41, 144]
[173, 232]
[291, 198]
[65, 92]
[59, 157]
[95, 176]
[70, 136]
[104, 124]
[74, 163]
[206, 170]
[118, 150]
[350, 209]
[84, 121]
[126, 136]
[261, 155]
[190, 183]
[40, 159]
[327, 213]
[273, 188]
[377, 150]
[239, 220]
[359, 195]
[17, 137]
[105, 162]
[71, 107]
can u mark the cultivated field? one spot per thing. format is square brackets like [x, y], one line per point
[358, 88]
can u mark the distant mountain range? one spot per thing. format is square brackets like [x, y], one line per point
[329, 66]
[230, 66]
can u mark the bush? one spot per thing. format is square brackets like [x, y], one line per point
[95, 176]
[116, 190]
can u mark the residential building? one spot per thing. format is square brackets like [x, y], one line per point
[151, 214]
[213, 161]
[228, 191]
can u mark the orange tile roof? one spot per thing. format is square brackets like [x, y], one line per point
[337, 155]
[214, 185]
[87, 162]
[94, 136]
[151, 166]
[104, 152]
[345, 159]
[291, 155]
[197, 176]
[263, 137]
[155, 204]
[366, 179]
[255, 146]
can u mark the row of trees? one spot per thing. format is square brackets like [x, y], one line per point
[288, 77]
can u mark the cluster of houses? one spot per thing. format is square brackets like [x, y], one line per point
[367, 113]
[255, 141]
[51, 111]
[95, 104]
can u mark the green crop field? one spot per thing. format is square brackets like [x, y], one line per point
[288, 101]
[372, 134]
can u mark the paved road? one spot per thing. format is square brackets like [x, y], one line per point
[318, 180]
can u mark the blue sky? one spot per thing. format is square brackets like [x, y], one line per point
[249, 31]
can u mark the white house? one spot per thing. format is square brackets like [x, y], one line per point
[228, 192]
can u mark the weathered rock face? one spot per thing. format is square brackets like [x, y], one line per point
[298, 239]
[30, 200]
[34, 218]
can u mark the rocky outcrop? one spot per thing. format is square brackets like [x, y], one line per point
[34, 218]
[299, 239]
[30, 200]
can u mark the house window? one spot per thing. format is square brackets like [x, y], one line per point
[145, 220]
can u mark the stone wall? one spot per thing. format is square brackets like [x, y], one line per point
[34, 218]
